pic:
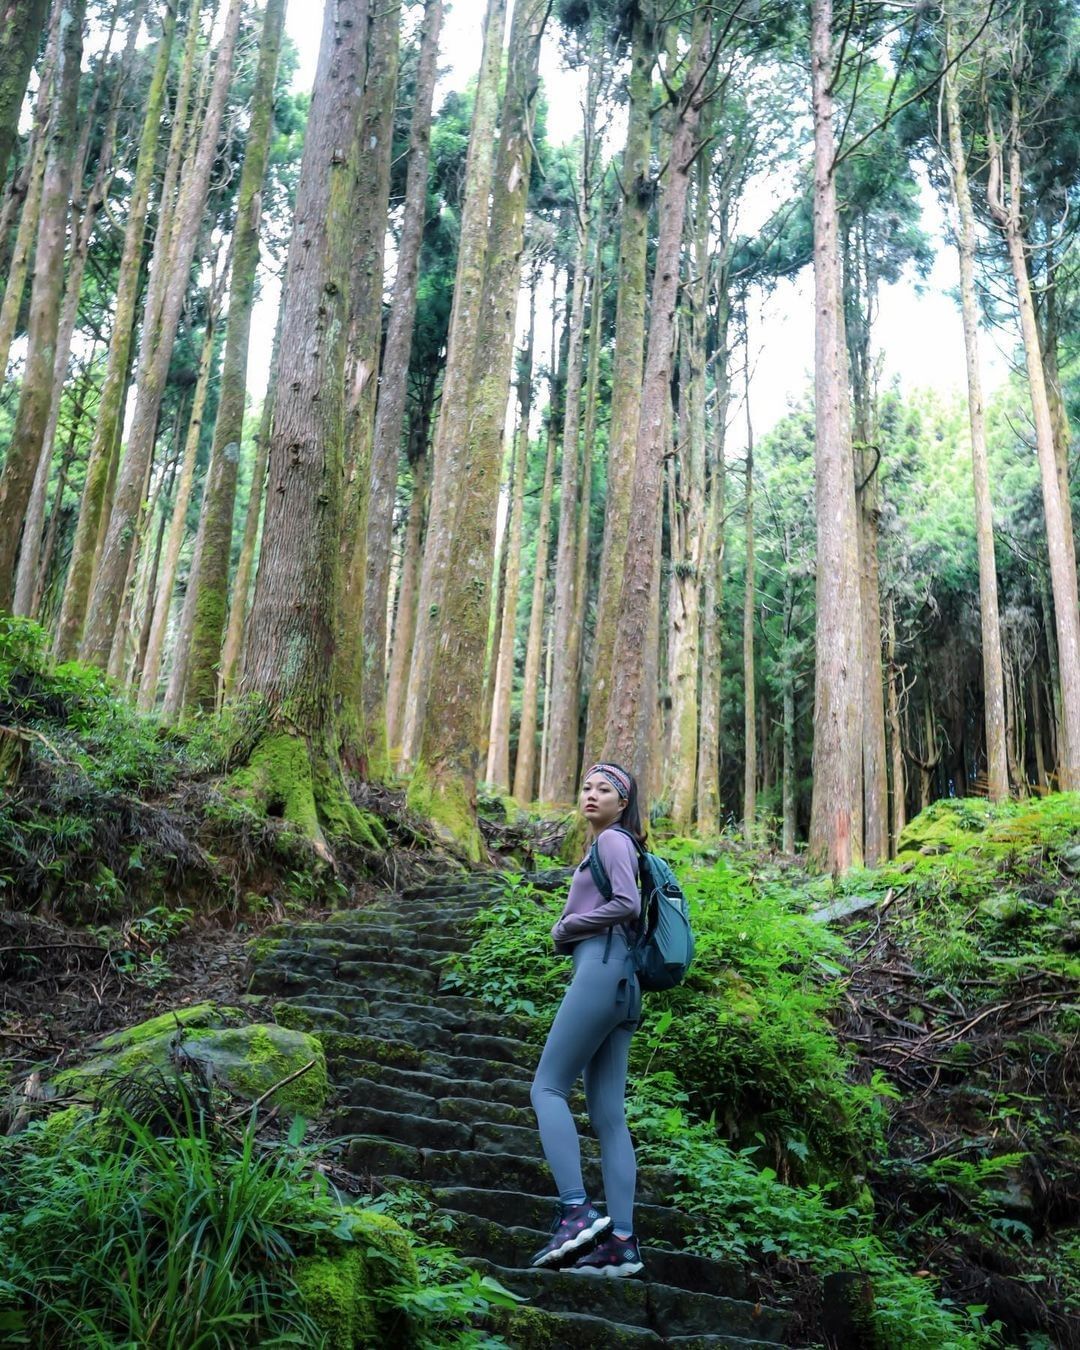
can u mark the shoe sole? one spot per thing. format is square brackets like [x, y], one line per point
[572, 1244]
[608, 1272]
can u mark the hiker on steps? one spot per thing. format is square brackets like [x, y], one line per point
[590, 1036]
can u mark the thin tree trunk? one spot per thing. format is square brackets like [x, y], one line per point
[238, 605]
[525, 765]
[896, 741]
[35, 395]
[444, 785]
[405, 620]
[498, 761]
[993, 687]
[25, 237]
[219, 496]
[787, 791]
[195, 181]
[452, 425]
[836, 810]
[162, 602]
[1005, 204]
[749, 591]
[96, 490]
[22, 23]
[633, 692]
[393, 388]
[627, 369]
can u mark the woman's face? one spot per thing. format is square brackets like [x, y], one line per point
[601, 804]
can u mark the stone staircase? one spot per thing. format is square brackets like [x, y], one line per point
[435, 1089]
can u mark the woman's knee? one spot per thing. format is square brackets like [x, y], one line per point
[542, 1092]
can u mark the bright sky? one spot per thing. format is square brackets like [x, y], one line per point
[920, 323]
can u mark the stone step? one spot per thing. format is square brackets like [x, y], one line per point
[479, 1020]
[335, 1009]
[640, 1302]
[437, 889]
[473, 1168]
[276, 976]
[330, 960]
[430, 1130]
[528, 1326]
[347, 1053]
[658, 1224]
[508, 1092]
[512, 1245]
[356, 943]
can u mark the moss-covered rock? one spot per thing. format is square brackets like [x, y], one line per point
[972, 825]
[248, 1059]
[344, 1284]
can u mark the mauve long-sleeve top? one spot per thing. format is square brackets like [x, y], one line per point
[586, 912]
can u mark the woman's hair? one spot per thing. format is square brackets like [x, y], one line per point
[631, 814]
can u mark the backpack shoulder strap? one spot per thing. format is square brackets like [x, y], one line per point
[601, 880]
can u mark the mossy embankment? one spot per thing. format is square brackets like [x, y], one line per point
[875, 1077]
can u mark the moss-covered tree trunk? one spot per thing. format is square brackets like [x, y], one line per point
[175, 272]
[35, 395]
[113, 393]
[219, 495]
[631, 705]
[22, 23]
[895, 694]
[393, 389]
[451, 427]
[1004, 195]
[836, 810]
[498, 756]
[397, 684]
[627, 367]
[238, 603]
[750, 745]
[294, 771]
[362, 382]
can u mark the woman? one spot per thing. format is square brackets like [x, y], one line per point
[591, 1036]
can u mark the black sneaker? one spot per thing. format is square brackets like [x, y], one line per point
[574, 1226]
[614, 1258]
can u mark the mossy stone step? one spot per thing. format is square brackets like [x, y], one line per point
[348, 977]
[434, 890]
[444, 1167]
[509, 1091]
[513, 1245]
[348, 1053]
[423, 1129]
[537, 1327]
[479, 1019]
[666, 1309]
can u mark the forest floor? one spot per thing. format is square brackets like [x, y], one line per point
[129, 885]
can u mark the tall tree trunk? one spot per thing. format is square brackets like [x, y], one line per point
[633, 693]
[836, 810]
[162, 601]
[22, 23]
[35, 395]
[412, 549]
[896, 739]
[525, 765]
[787, 792]
[444, 783]
[185, 232]
[750, 751]
[87, 208]
[219, 495]
[993, 686]
[452, 425]
[364, 747]
[393, 387]
[1004, 199]
[498, 761]
[627, 368]
[290, 654]
[238, 604]
[708, 779]
[114, 389]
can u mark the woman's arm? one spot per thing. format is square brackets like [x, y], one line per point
[619, 857]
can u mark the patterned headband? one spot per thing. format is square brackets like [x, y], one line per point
[615, 776]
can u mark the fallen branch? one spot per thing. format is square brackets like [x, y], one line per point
[289, 1078]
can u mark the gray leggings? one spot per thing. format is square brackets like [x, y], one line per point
[591, 1035]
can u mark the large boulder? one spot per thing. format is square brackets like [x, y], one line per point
[247, 1058]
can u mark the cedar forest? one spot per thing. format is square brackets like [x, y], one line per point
[503, 510]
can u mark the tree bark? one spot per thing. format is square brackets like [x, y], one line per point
[35, 395]
[451, 428]
[525, 765]
[444, 783]
[21, 25]
[498, 761]
[1004, 199]
[219, 496]
[627, 369]
[413, 547]
[750, 752]
[289, 660]
[993, 686]
[195, 181]
[836, 810]
[896, 740]
[393, 387]
[114, 389]
[631, 705]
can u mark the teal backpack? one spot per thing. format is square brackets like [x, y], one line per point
[663, 949]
